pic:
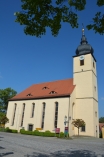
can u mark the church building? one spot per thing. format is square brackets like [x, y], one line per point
[56, 104]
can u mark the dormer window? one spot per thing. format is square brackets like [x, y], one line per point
[52, 92]
[45, 87]
[29, 94]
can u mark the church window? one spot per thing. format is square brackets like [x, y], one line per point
[83, 129]
[81, 62]
[23, 114]
[56, 115]
[14, 114]
[93, 64]
[33, 107]
[43, 115]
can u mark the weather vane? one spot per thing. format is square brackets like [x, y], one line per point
[82, 29]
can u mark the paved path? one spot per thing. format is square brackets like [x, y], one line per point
[17, 145]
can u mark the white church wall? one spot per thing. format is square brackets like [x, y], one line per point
[37, 119]
[96, 118]
[84, 111]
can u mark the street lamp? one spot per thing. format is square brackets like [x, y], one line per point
[65, 120]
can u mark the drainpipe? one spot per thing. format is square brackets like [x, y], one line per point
[68, 114]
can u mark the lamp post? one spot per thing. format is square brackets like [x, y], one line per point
[65, 120]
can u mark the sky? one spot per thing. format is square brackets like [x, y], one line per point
[27, 60]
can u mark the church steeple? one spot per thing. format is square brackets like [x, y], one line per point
[84, 47]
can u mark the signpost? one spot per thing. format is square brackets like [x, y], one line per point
[38, 128]
[66, 131]
[57, 131]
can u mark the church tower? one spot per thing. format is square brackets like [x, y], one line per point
[85, 79]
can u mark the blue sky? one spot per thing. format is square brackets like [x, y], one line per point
[26, 60]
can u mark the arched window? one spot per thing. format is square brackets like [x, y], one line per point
[73, 110]
[15, 106]
[56, 115]
[33, 107]
[23, 114]
[43, 115]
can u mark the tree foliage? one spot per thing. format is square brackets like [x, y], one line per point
[78, 123]
[3, 118]
[101, 120]
[5, 95]
[37, 15]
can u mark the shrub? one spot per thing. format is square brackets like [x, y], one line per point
[8, 130]
[47, 131]
[36, 133]
[100, 135]
[26, 132]
[36, 130]
[14, 131]
[22, 131]
[61, 134]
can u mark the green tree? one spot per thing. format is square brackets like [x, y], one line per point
[5, 95]
[37, 15]
[101, 120]
[3, 118]
[78, 123]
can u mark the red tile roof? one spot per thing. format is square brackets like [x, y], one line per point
[47, 90]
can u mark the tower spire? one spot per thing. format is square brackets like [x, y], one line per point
[83, 29]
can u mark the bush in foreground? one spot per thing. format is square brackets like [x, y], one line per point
[44, 134]
[8, 130]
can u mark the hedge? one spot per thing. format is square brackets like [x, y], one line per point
[8, 130]
[45, 134]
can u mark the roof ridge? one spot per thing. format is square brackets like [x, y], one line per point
[52, 81]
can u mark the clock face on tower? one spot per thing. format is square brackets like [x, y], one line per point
[81, 57]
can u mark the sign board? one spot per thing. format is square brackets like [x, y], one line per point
[81, 57]
[66, 128]
[57, 130]
[66, 131]
[38, 128]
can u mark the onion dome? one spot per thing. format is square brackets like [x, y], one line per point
[84, 47]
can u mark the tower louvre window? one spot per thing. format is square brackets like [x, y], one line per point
[81, 62]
